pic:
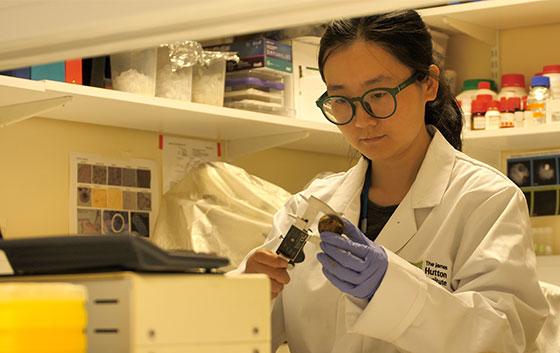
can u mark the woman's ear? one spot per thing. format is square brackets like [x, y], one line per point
[432, 83]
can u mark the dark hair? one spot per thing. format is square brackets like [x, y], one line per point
[406, 37]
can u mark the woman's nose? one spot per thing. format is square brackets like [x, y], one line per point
[362, 118]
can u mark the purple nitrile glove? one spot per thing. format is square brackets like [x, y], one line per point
[355, 265]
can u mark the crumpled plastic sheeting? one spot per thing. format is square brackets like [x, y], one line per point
[548, 340]
[218, 208]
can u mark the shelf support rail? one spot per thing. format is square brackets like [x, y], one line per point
[244, 146]
[14, 113]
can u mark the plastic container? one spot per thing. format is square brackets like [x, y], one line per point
[172, 84]
[42, 318]
[536, 100]
[493, 116]
[135, 71]
[513, 85]
[256, 105]
[507, 118]
[241, 83]
[260, 90]
[553, 73]
[478, 117]
[209, 83]
[515, 104]
[252, 93]
[484, 88]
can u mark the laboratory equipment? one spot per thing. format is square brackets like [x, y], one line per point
[299, 233]
[172, 313]
[97, 253]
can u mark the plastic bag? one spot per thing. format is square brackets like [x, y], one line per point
[218, 208]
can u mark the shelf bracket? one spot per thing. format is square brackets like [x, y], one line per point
[244, 146]
[484, 34]
[14, 113]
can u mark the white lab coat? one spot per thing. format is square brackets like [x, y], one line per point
[462, 224]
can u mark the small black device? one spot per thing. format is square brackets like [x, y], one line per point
[100, 253]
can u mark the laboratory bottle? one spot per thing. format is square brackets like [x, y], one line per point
[513, 85]
[493, 116]
[467, 95]
[553, 73]
[506, 113]
[478, 109]
[484, 88]
[515, 104]
[536, 100]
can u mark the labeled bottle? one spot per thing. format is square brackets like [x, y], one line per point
[484, 88]
[478, 111]
[507, 119]
[513, 85]
[515, 104]
[536, 100]
[493, 116]
[553, 73]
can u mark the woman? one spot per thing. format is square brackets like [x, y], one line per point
[446, 261]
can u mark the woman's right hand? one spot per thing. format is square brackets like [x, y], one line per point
[274, 266]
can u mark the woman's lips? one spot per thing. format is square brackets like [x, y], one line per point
[371, 139]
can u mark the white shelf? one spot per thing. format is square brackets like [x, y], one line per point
[121, 109]
[523, 138]
[495, 14]
[488, 145]
[34, 32]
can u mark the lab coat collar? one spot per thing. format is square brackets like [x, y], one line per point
[434, 173]
[426, 191]
[347, 198]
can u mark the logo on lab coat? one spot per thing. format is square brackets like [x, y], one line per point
[437, 272]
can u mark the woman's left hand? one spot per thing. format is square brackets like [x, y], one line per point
[355, 265]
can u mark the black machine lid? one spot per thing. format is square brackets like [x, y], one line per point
[100, 253]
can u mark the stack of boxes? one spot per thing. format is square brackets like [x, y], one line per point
[262, 79]
[64, 71]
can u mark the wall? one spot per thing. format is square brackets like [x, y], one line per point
[34, 172]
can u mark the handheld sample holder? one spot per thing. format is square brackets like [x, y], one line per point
[299, 233]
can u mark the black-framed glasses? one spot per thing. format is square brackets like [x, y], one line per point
[380, 103]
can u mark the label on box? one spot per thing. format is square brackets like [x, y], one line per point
[260, 47]
[259, 62]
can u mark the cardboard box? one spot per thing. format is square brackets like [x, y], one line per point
[258, 53]
[53, 72]
[74, 71]
[24, 72]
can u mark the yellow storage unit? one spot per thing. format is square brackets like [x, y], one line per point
[42, 318]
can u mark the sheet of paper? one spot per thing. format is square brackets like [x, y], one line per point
[180, 155]
[109, 196]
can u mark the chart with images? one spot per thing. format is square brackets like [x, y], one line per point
[112, 197]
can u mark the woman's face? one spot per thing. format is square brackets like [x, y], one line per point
[361, 66]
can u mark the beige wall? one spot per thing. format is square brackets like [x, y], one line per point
[527, 50]
[34, 160]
